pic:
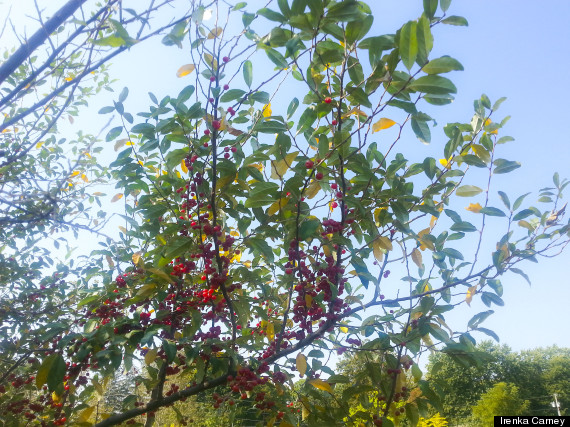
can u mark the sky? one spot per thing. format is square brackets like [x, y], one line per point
[518, 49]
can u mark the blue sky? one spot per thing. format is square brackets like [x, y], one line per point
[517, 49]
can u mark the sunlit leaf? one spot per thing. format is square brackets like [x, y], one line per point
[321, 385]
[116, 197]
[301, 364]
[382, 124]
[185, 70]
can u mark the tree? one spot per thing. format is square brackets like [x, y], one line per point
[501, 399]
[256, 235]
[537, 374]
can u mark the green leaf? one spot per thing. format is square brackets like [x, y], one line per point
[124, 94]
[356, 30]
[521, 273]
[479, 318]
[444, 4]
[247, 72]
[408, 44]
[464, 227]
[260, 247]
[422, 131]
[425, 40]
[522, 214]
[518, 201]
[505, 166]
[488, 298]
[56, 372]
[444, 64]
[112, 41]
[232, 94]
[433, 84]
[277, 58]
[498, 103]
[492, 211]
[345, 11]
[114, 133]
[455, 20]
[505, 200]
[292, 107]
[261, 195]
[468, 191]
[489, 333]
[308, 228]
[271, 126]
[496, 286]
[430, 6]
[272, 15]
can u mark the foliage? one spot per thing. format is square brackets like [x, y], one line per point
[501, 399]
[257, 233]
[434, 421]
[537, 373]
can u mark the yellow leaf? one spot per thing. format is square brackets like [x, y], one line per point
[116, 197]
[470, 292]
[432, 222]
[301, 364]
[417, 257]
[123, 229]
[137, 258]
[247, 264]
[185, 70]
[446, 163]
[97, 386]
[312, 189]
[321, 385]
[385, 243]
[39, 144]
[305, 412]
[344, 329]
[222, 182]
[150, 356]
[425, 243]
[481, 152]
[146, 290]
[216, 32]
[85, 414]
[211, 61]
[382, 124]
[474, 207]
[276, 206]
[266, 110]
[308, 300]
[526, 224]
[378, 253]
[84, 178]
[279, 167]
[183, 166]
[110, 261]
[270, 331]
[75, 173]
[160, 274]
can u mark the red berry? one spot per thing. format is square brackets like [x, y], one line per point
[319, 176]
[226, 87]
[225, 59]
[234, 149]
[213, 78]
[309, 164]
[328, 100]
[334, 122]
[216, 124]
[334, 186]
[206, 132]
[288, 271]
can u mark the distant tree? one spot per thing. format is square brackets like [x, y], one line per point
[501, 399]
[537, 373]
[259, 227]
